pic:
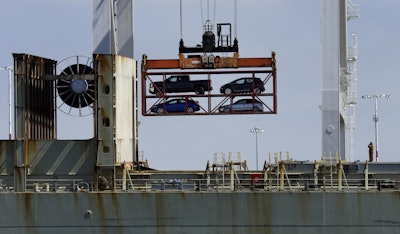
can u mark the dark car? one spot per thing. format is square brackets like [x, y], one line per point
[243, 85]
[176, 105]
[180, 84]
[243, 105]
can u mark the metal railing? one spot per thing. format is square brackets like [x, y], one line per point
[261, 184]
[269, 181]
[58, 185]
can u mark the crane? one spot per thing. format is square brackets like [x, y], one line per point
[338, 77]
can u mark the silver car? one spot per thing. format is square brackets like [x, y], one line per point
[243, 105]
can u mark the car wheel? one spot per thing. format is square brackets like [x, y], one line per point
[226, 109]
[190, 109]
[257, 90]
[158, 93]
[199, 90]
[228, 91]
[160, 110]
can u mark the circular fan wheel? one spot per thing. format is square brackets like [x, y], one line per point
[77, 95]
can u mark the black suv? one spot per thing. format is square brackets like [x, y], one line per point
[243, 85]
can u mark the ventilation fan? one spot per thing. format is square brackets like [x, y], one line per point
[75, 90]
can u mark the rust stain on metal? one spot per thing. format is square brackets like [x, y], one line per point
[37, 95]
[29, 213]
[102, 211]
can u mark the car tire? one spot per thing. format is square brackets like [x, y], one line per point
[228, 91]
[257, 90]
[190, 109]
[226, 109]
[160, 110]
[199, 90]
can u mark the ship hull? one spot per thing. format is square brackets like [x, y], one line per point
[194, 212]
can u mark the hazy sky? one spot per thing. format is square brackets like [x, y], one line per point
[291, 28]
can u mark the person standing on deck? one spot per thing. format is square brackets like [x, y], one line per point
[371, 151]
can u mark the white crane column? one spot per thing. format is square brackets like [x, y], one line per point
[334, 86]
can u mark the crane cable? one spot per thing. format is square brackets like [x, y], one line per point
[201, 10]
[215, 10]
[235, 19]
[208, 15]
[180, 14]
[208, 12]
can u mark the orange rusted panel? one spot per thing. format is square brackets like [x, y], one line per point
[255, 62]
[220, 62]
[190, 63]
[162, 64]
[226, 62]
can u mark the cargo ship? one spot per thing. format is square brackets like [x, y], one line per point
[100, 185]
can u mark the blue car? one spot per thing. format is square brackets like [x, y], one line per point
[176, 105]
[243, 105]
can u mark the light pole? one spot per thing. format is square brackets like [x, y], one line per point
[10, 69]
[256, 130]
[376, 119]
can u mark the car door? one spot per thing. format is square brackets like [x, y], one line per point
[171, 106]
[170, 84]
[239, 105]
[237, 86]
[248, 85]
[181, 105]
[180, 84]
[248, 106]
